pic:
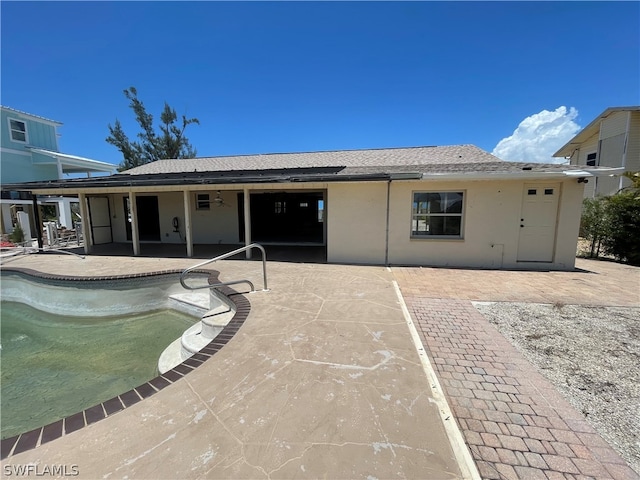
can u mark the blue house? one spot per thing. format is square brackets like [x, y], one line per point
[29, 152]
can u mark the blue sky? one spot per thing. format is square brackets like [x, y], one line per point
[304, 76]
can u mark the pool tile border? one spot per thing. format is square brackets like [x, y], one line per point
[41, 435]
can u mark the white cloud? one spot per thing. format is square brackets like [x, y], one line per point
[539, 136]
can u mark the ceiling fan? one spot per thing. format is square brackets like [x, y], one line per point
[219, 201]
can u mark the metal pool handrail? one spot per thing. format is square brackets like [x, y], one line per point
[186, 272]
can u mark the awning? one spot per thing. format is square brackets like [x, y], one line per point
[73, 163]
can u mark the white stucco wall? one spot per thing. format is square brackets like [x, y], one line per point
[219, 224]
[491, 225]
[568, 226]
[170, 204]
[356, 222]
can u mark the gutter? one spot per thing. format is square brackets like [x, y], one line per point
[524, 174]
[599, 172]
[130, 182]
[71, 186]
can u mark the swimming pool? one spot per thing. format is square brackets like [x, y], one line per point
[66, 348]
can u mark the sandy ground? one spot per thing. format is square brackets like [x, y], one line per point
[591, 354]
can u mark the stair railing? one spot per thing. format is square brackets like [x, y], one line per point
[187, 271]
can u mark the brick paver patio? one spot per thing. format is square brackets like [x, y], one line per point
[515, 422]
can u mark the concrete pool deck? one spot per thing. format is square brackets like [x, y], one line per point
[324, 381]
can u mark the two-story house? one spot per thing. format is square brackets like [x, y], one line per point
[29, 151]
[611, 140]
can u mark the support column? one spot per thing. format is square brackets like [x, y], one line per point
[7, 224]
[187, 222]
[64, 212]
[247, 221]
[60, 172]
[37, 221]
[135, 234]
[86, 231]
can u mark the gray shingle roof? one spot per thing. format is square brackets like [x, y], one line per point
[461, 161]
[387, 157]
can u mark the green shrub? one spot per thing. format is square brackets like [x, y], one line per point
[622, 239]
[613, 223]
[17, 236]
[593, 224]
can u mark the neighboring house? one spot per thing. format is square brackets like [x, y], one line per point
[439, 206]
[29, 152]
[611, 140]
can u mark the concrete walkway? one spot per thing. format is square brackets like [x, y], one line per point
[323, 380]
[515, 422]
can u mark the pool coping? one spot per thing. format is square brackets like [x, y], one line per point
[38, 436]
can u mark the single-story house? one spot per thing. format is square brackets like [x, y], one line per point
[438, 206]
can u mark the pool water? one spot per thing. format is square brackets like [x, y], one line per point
[53, 366]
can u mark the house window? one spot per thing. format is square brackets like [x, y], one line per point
[437, 214]
[202, 201]
[280, 207]
[18, 130]
[591, 159]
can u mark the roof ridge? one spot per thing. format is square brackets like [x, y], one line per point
[325, 151]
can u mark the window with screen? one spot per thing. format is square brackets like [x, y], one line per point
[437, 215]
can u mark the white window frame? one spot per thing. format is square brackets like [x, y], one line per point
[11, 130]
[203, 201]
[414, 216]
[595, 159]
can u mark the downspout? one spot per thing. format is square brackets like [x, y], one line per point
[386, 240]
[624, 151]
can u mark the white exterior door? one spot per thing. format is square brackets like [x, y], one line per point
[538, 222]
